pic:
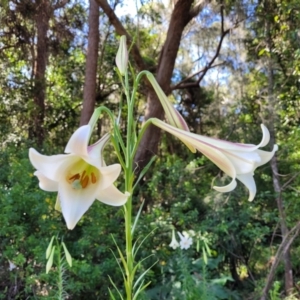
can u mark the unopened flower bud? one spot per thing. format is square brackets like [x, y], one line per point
[122, 56]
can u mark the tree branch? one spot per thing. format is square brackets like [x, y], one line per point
[284, 247]
[181, 85]
[60, 4]
[120, 29]
[210, 64]
[198, 7]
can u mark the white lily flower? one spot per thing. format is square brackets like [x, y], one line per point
[174, 244]
[79, 177]
[238, 161]
[185, 240]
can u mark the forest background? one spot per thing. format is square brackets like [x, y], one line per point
[228, 66]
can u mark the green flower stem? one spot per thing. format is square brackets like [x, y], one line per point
[115, 140]
[141, 133]
[128, 182]
[60, 274]
[132, 142]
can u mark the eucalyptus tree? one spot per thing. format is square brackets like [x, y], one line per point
[32, 33]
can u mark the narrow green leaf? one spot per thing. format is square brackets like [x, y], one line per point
[67, 254]
[204, 255]
[112, 297]
[134, 252]
[140, 289]
[50, 260]
[144, 171]
[122, 257]
[139, 264]
[137, 218]
[143, 274]
[111, 281]
[118, 265]
[207, 249]
[49, 248]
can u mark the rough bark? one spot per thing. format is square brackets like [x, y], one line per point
[180, 17]
[43, 12]
[42, 17]
[90, 83]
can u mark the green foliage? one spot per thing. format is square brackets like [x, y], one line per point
[27, 222]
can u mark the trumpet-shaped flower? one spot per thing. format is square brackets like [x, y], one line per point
[185, 240]
[174, 244]
[79, 177]
[236, 160]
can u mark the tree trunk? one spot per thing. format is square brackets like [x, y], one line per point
[180, 17]
[182, 14]
[89, 91]
[42, 17]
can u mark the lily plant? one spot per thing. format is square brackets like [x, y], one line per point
[80, 176]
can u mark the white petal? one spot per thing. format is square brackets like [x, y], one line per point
[112, 196]
[227, 188]
[95, 152]
[243, 162]
[45, 183]
[96, 149]
[108, 175]
[180, 235]
[48, 165]
[192, 138]
[78, 143]
[266, 136]
[248, 181]
[75, 202]
[266, 156]
[219, 159]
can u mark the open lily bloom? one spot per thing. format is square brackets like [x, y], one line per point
[185, 240]
[79, 177]
[236, 160]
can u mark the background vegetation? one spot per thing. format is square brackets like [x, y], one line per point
[236, 65]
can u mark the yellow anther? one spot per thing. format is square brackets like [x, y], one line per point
[74, 177]
[84, 181]
[93, 177]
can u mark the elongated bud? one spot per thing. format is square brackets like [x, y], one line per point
[173, 116]
[67, 254]
[122, 56]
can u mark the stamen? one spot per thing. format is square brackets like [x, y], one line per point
[83, 174]
[84, 181]
[74, 177]
[94, 178]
